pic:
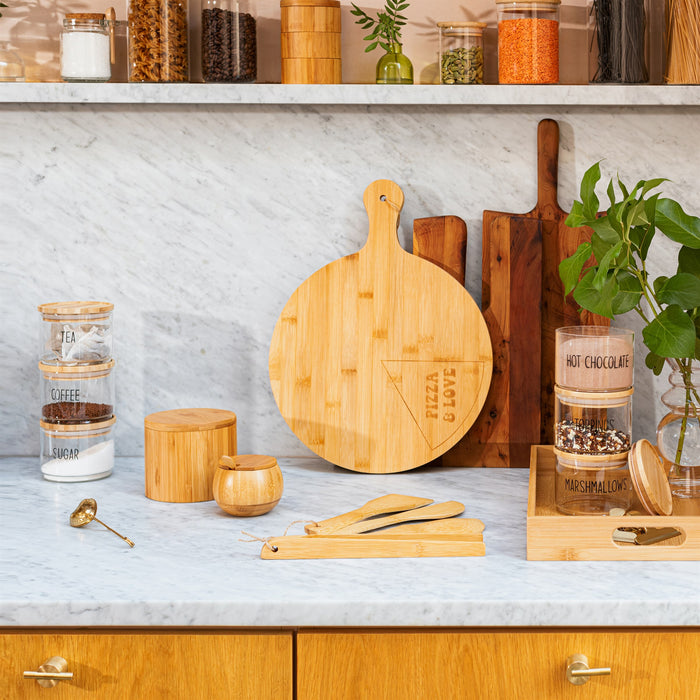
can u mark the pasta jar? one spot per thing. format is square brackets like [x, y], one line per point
[461, 53]
[77, 452]
[592, 423]
[592, 485]
[85, 48]
[77, 394]
[158, 44]
[618, 41]
[75, 332]
[229, 50]
[528, 41]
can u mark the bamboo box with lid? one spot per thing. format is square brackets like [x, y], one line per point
[182, 452]
[310, 39]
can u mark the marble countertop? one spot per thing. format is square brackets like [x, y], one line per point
[191, 567]
[353, 94]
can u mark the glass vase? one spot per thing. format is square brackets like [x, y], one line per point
[394, 68]
[678, 434]
[11, 65]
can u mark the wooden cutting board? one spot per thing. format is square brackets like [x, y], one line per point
[520, 253]
[380, 361]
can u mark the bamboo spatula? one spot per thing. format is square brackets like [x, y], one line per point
[391, 503]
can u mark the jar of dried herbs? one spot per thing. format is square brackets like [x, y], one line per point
[618, 41]
[528, 41]
[461, 53]
[158, 41]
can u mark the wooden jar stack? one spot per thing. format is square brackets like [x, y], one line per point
[311, 41]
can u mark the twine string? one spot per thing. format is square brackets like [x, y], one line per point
[266, 540]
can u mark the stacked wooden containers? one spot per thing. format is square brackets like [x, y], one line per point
[311, 41]
[593, 419]
[77, 390]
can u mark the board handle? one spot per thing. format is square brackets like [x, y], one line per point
[383, 201]
[547, 165]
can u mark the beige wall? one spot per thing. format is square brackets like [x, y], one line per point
[33, 27]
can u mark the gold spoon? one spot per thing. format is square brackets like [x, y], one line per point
[85, 513]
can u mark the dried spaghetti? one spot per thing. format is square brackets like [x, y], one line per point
[683, 41]
[620, 34]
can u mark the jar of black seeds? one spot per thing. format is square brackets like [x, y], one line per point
[229, 41]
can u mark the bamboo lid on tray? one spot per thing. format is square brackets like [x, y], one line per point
[649, 479]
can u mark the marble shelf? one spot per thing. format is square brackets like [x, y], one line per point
[629, 96]
[193, 566]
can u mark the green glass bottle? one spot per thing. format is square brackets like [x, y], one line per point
[394, 68]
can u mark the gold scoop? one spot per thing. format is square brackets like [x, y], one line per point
[85, 513]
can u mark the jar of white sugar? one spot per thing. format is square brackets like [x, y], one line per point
[82, 452]
[85, 48]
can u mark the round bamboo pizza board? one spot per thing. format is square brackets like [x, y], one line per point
[380, 361]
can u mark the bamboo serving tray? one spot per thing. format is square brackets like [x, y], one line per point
[552, 536]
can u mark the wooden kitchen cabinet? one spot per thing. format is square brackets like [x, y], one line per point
[133, 665]
[495, 664]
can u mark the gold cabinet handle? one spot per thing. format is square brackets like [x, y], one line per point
[577, 671]
[50, 673]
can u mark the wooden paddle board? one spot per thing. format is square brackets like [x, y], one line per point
[380, 361]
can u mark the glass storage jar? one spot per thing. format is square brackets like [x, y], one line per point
[85, 48]
[11, 64]
[618, 41]
[528, 41]
[77, 452]
[594, 358]
[158, 45]
[461, 53]
[229, 52]
[592, 423]
[592, 485]
[77, 394]
[75, 332]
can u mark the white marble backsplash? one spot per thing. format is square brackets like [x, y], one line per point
[198, 222]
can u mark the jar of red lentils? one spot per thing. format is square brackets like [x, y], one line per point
[528, 41]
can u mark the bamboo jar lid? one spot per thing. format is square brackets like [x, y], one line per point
[182, 452]
[649, 479]
[75, 308]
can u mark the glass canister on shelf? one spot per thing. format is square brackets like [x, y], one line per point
[85, 48]
[682, 42]
[618, 41]
[158, 46]
[11, 64]
[461, 53]
[229, 41]
[528, 41]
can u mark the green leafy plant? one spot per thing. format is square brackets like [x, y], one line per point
[386, 28]
[609, 276]
[2, 4]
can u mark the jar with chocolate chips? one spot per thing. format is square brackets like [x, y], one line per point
[229, 48]
[158, 41]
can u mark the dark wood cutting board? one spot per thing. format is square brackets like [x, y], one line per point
[523, 302]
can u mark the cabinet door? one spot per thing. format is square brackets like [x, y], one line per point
[151, 665]
[489, 665]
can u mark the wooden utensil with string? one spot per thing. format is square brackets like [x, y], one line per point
[380, 361]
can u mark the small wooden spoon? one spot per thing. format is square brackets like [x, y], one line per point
[377, 506]
[434, 512]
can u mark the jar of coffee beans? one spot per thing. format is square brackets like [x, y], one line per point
[461, 53]
[229, 52]
[158, 41]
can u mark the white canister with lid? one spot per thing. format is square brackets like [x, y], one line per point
[85, 48]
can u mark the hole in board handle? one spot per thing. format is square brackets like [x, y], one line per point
[382, 198]
[651, 530]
